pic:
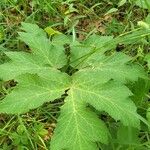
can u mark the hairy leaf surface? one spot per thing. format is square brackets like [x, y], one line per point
[31, 93]
[115, 67]
[80, 127]
[49, 52]
[96, 82]
[38, 79]
[89, 89]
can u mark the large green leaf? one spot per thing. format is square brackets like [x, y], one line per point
[32, 91]
[21, 63]
[78, 127]
[49, 52]
[44, 59]
[83, 50]
[115, 67]
[76, 120]
[98, 85]
[36, 73]
[110, 97]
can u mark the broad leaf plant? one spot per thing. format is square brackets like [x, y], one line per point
[92, 75]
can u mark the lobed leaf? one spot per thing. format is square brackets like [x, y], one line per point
[47, 51]
[98, 84]
[76, 119]
[31, 92]
[36, 72]
[78, 127]
[111, 97]
[116, 66]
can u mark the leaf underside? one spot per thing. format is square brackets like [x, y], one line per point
[98, 84]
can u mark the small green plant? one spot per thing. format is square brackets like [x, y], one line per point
[89, 76]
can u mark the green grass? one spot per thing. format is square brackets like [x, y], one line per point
[80, 18]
